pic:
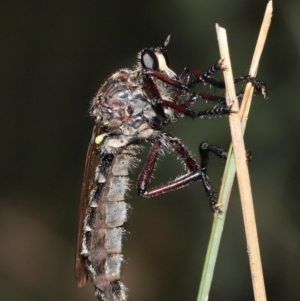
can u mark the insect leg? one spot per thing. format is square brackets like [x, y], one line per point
[206, 148]
[193, 97]
[195, 174]
[216, 110]
[157, 102]
[206, 77]
[181, 82]
[259, 86]
[164, 78]
[148, 168]
[185, 76]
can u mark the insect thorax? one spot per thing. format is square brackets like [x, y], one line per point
[123, 100]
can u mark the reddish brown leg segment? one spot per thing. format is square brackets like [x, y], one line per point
[196, 173]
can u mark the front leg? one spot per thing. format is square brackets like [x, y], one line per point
[215, 111]
[158, 103]
[207, 77]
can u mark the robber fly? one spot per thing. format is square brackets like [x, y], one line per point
[131, 107]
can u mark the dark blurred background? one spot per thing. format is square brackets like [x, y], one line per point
[54, 56]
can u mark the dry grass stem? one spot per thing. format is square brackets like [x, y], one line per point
[228, 179]
[241, 166]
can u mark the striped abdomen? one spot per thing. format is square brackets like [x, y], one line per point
[103, 231]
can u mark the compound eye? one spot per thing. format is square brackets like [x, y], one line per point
[149, 59]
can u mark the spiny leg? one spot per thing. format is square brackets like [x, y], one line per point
[206, 77]
[206, 148]
[181, 83]
[195, 174]
[216, 110]
[157, 102]
[259, 86]
[183, 107]
[193, 97]
[148, 169]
